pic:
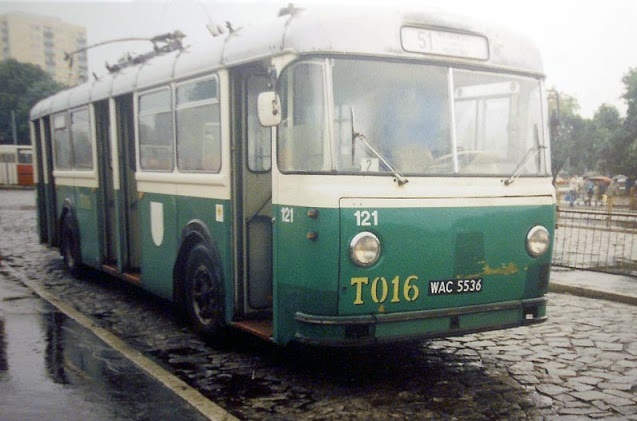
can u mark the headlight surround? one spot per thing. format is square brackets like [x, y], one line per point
[538, 240]
[364, 249]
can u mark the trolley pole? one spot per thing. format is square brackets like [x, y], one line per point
[14, 131]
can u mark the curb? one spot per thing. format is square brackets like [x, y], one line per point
[591, 293]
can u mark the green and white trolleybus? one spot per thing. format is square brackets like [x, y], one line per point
[328, 177]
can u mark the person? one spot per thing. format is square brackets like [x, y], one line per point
[601, 193]
[589, 188]
[572, 190]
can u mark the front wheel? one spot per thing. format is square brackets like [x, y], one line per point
[203, 293]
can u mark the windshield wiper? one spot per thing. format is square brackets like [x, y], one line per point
[398, 177]
[530, 154]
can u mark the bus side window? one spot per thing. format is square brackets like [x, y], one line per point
[62, 143]
[198, 128]
[156, 131]
[81, 140]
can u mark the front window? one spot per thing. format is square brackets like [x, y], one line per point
[358, 116]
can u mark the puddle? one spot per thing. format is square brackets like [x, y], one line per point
[51, 368]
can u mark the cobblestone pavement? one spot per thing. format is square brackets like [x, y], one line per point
[581, 364]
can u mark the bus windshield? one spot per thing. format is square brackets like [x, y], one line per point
[419, 119]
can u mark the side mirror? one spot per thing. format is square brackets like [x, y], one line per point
[269, 109]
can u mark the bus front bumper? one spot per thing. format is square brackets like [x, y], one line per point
[396, 327]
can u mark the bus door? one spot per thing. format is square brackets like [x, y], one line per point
[51, 196]
[252, 185]
[127, 199]
[45, 182]
[106, 215]
[39, 181]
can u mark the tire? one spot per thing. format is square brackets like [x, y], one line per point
[70, 247]
[203, 293]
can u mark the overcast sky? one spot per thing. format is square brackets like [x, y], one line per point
[587, 45]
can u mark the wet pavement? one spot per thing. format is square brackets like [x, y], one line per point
[580, 364]
[52, 368]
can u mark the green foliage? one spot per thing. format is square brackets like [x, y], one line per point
[605, 144]
[625, 143]
[567, 153]
[605, 130]
[21, 87]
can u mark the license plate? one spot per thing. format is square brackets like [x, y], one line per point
[455, 286]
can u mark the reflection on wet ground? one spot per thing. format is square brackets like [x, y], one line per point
[3, 349]
[424, 381]
[51, 368]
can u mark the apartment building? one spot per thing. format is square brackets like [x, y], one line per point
[43, 41]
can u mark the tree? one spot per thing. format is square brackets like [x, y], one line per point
[569, 136]
[605, 130]
[607, 143]
[21, 87]
[623, 148]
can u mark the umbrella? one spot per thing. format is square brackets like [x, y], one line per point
[601, 178]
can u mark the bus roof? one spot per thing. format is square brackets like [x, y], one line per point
[364, 32]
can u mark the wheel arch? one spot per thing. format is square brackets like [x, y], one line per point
[194, 233]
[70, 243]
[68, 208]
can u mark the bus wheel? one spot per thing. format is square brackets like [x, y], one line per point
[70, 247]
[203, 293]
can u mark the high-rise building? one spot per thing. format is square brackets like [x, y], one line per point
[43, 41]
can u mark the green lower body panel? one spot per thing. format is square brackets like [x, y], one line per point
[163, 220]
[82, 202]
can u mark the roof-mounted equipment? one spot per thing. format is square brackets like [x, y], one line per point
[162, 44]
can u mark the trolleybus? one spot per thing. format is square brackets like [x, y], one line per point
[329, 177]
[16, 165]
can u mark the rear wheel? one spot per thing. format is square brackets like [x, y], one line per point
[70, 246]
[203, 293]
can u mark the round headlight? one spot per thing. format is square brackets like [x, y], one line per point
[364, 249]
[537, 241]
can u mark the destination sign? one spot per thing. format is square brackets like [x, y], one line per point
[444, 43]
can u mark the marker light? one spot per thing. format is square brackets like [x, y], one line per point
[364, 249]
[537, 241]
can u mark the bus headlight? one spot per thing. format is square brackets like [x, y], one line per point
[364, 249]
[537, 241]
